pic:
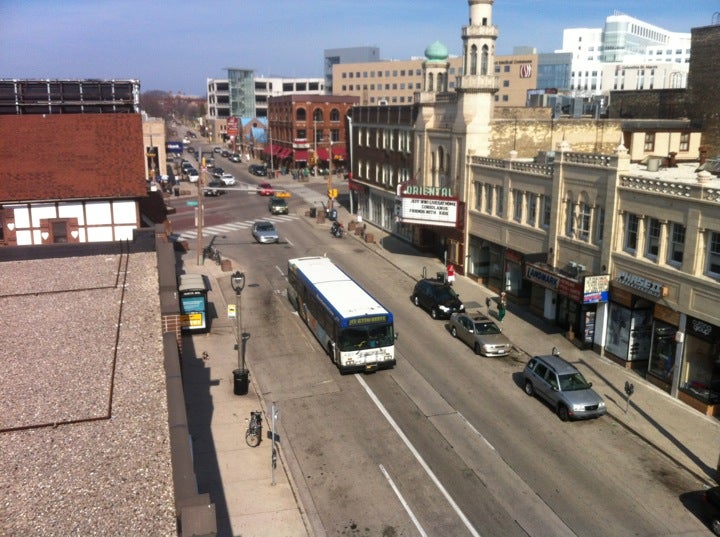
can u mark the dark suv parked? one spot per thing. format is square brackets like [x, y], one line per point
[437, 297]
[258, 169]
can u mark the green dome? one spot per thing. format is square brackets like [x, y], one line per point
[437, 52]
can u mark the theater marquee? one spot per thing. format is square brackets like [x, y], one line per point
[427, 205]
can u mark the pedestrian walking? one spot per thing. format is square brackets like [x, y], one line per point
[450, 273]
[502, 306]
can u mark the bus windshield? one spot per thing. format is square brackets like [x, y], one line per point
[366, 337]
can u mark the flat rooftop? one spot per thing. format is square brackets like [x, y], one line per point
[84, 440]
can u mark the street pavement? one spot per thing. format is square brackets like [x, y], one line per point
[253, 500]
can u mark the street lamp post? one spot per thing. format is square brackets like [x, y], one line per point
[240, 375]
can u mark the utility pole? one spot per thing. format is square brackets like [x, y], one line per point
[199, 210]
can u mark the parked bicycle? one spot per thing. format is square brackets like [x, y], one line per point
[253, 435]
[210, 252]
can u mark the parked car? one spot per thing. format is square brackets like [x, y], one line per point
[217, 172]
[439, 298]
[480, 333]
[278, 205]
[235, 157]
[265, 189]
[228, 179]
[214, 188]
[258, 169]
[563, 387]
[265, 232]
[217, 149]
[225, 153]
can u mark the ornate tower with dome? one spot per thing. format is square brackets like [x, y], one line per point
[478, 83]
[435, 68]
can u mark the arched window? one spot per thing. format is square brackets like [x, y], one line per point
[440, 82]
[430, 82]
[473, 60]
[485, 60]
[317, 114]
[334, 115]
[300, 114]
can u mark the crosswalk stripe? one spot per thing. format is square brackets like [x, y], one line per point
[233, 226]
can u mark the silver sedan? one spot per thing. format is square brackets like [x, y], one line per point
[480, 333]
[265, 232]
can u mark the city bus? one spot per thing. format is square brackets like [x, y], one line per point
[353, 328]
[192, 293]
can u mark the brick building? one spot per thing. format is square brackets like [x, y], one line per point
[309, 131]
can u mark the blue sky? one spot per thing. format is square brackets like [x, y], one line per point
[175, 46]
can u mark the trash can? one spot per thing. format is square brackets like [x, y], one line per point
[176, 189]
[313, 212]
[332, 214]
[241, 381]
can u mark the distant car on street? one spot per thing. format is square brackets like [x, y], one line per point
[235, 157]
[258, 169]
[278, 205]
[217, 172]
[480, 333]
[265, 189]
[437, 297]
[225, 153]
[217, 149]
[228, 179]
[214, 188]
[265, 232]
[193, 175]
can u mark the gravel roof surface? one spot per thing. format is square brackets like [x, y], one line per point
[84, 440]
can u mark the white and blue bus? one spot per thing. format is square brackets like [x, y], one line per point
[354, 329]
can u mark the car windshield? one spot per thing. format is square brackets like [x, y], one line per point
[366, 337]
[486, 328]
[265, 227]
[572, 382]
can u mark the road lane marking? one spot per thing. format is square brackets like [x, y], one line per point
[403, 502]
[417, 456]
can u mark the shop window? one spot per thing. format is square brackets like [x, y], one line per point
[713, 267]
[700, 375]
[631, 232]
[677, 244]
[662, 356]
[653, 239]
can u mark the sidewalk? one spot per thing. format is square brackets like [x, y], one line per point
[239, 478]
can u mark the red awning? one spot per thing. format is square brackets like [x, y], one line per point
[323, 154]
[286, 152]
[301, 154]
[339, 152]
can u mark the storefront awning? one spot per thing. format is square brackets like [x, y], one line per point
[285, 152]
[323, 154]
[301, 154]
[339, 152]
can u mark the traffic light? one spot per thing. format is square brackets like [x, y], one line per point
[332, 193]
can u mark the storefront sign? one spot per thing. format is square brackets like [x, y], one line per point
[439, 212]
[641, 284]
[571, 289]
[541, 277]
[597, 289]
[696, 327]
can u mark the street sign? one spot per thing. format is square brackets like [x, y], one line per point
[282, 194]
[191, 203]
